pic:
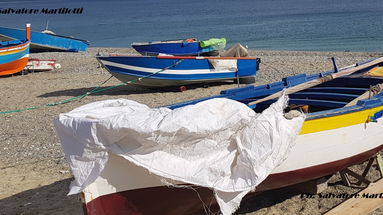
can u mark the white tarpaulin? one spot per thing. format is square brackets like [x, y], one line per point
[219, 143]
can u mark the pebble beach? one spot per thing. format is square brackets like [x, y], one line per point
[34, 175]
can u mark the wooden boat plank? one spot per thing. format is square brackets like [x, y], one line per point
[368, 201]
[314, 102]
[243, 97]
[323, 95]
[244, 93]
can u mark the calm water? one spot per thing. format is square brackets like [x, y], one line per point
[325, 25]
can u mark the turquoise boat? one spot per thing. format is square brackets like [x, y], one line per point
[42, 42]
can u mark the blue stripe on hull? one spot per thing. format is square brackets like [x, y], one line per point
[12, 57]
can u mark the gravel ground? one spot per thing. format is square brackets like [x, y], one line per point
[34, 175]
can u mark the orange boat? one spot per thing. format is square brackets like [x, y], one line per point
[14, 54]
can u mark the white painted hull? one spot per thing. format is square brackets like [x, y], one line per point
[311, 150]
[328, 146]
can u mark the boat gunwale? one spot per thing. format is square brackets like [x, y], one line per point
[21, 45]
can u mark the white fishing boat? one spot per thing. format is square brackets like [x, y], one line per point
[343, 127]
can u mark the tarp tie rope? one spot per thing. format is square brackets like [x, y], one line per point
[93, 91]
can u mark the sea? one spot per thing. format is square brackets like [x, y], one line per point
[307, 25]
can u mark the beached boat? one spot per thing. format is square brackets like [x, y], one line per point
[42, 42]
[186, 47]
[14, 54]
[343, 127]
[39, 65]
[162, 71]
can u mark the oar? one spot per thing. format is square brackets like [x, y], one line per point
[318, 81]
[374, 90]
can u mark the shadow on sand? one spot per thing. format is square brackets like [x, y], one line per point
[129, 89]
[122, 90]
[266, 199]
[49, 199]
[53, 199]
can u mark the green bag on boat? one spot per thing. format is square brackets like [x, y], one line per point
[213, 42]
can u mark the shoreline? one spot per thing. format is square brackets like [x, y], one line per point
[33, 170]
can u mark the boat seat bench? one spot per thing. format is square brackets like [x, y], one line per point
[310, 102]
[348, 90]
[323, 95]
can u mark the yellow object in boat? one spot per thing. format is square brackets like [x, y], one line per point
[376, 71]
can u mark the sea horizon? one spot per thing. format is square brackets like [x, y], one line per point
[296, 25]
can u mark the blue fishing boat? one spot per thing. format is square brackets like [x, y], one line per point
[41, 42]
[185, 47]
[162, 71]
[14, 54]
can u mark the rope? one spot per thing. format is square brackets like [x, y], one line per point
[93, 91]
